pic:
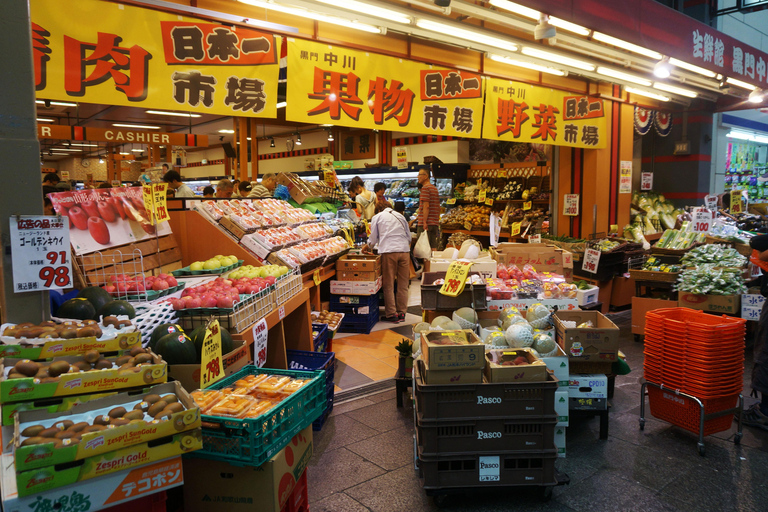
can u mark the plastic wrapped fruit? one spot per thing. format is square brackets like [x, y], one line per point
[519, 335]
[544, 345]
[538, 316]
[496, 339]
[508, 313]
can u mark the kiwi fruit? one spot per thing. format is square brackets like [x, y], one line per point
[103, 364]
[35, 440]
[10, 331]
[143, 358]
[152, 398]
[110, 320]
[136, 414]
[91, 356]
[79, 427]
[170, 398]
[32, 431]
[137, 350]
[49, 323]
[93, 428]
[16, 375]
[49, 334]
[174, 407]
[120, 361]
[164, 415]
[156, 408]
[42, 372]
[63, 424]
[124, 323]
[83, 366]
[65, 434]
[119, 422]
[49, 432]
[84, 332]
[141, 406]
[26, 367]
[57, 368]
[117, 412]
[102, 420]
[90, 322]
[68, 333]
[72, 440]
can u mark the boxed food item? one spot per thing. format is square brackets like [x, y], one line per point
[452, 376]
[52, 405]
[560, 441]
[561, 406]
[514, 365]
[189, 374]
[443, 350]
[485, 266]
[102, 425]
[587, 392]
[596, 344]
[215, 486]
[42, 348]
[559, 365]
[359, 263]
[356, 287]
[728, 304]
[546, 258]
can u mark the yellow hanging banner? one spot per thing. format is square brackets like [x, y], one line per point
[520, 112]
[155, 202]
[211, 366]
[344, 87]
[455, 278]
[489, 202]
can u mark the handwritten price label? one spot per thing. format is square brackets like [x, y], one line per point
[489, 202]
[260, 338]
[451, 201]
[455, 278]
[281, 312]
[702, 220]
[481, 196]
[591, 261]
[711, 202]
[527, 205]
[40, 253]
[534, 239]
[468, 226]
[211, 366]
[646, 181]
[736, 206]
[316, 277]
[514, 230]
[154, 202]
[571, 204]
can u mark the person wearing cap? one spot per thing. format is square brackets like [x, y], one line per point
[757, 414]
[266, 188]
[173, 179]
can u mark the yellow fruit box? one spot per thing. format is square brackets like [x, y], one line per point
[499, 367]
[50, 477]
[103, 441]
[78, 383]
[451, 350]
[41, 348]
[56, 404]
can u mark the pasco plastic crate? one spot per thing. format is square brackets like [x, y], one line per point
[509, 400]
[320, 341]
[254, 441]
[355, 304]
[359, 323]
[303, 360]
[480, 435]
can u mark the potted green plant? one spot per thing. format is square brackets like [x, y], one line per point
[405, 360]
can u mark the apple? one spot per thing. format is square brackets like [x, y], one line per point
[106, 211]
[159, 285]
[225, 302]
[78, 217]
[171, 281]
[91, 208]
[211, 264]
[110, 289]
[177, 304]
[194, 303]
[209, 301]
[136, 287]
[98, 230]
[196, 265]
[122, 287]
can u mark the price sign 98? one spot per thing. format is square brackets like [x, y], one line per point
[57, 271]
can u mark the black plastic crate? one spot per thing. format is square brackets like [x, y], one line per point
[473, 295]
[355, 304]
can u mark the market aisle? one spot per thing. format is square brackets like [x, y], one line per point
[363, 461]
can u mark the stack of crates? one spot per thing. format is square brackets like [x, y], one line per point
[313, 361]
[355, 292]
[485, 434]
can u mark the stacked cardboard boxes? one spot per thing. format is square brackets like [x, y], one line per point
[355, 292]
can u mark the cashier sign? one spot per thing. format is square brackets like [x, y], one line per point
[40, 253]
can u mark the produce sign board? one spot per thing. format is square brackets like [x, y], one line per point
[154, 200]
[702, 220]
[455, 278]
[47, 349]
[104, 218]
[40, 253]
[591, 261]
[646, 181]
[211, 368]
[571, 204]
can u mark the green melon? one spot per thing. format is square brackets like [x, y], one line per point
[176, 348]
[450, 325]
[198, 336]
[96, 296]
[160, 331]
[78, 308]
[440, 320]
[117, 307]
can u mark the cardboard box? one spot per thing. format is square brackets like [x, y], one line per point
[358, 263]
[233, 228]
[545, 258]
[622, 291]
[349, 275]
[96, 443]
[534, 371]
[524, 304]
[106, 491]
[751, 305]
[728, 304]
[452, 376]
[451, 357]
[560, 441]
[188, 375]
[16, 390]
[561, 407]
[214, 486]
[559, 365]
[588, 392]
[49, 477]
[356, 287]
[251, 243]
[52, 405]
[593, 344]
[641, 306]
[49, 349]
[586, 297]
[299, 189]
[486, 266]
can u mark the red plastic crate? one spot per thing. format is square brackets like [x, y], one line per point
[298, 501]
[152, 503]
[685, 413]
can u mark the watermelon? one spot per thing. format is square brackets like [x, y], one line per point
[96, 296]
[160, 331]
[117, 307]
[198, 336]
[78, 308]
[176, 348]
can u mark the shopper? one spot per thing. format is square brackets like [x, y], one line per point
[49, 183]
[429, 209]
[173, 179]
[236, 188]
[104, 184]
[243, 189]
[389, 230]
[365, 199]
[400, 208]
[757, 414]
[266, 188]
[48, 206]
[208, 191]
[224, 188]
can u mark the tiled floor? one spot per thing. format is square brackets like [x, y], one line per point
[363, 457]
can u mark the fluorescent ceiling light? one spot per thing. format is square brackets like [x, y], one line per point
[145, 126]
[282, 104]
[604, 38]
[756, 96]
[675, 90]
[57, 103]
[526, 65]
[739, 83]
[557, 59]
[570, 27]
[44, 120]
[67, 150]
[303, 13]
[761, 139]
[372, 10]
[648, 94]
[469, 35]
[691, 67]
[620, 75]
[740, 135]
[123, 153]
[516, 8]
[177, 114]
[137, 150]
[226, 131]
[84, 145]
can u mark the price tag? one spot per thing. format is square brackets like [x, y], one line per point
[489, 202]
[154, 202]
[501, 173]
[527, 205]
[736, 206]
[591, 260]
[348, 236]
[481, 196]
[571, 204]
[702, 220]
[514, 229]
[40, 253]
[260, 336]
[451, 201]
[316, 277]
[367, 228]
[711, 202]
[211, 366]
[646, 181]
[455, 278]
[534, 239]
[468, 226]
[281, 312]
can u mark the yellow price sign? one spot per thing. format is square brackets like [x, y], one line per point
[154, 202]
[316, 277]
[468, 226]
[515, 228]
[348, 236]
[211, 365]
[481, 196]
[455, 278]
[501, 173]
[451, 201]
[489, 202]
[527, 205]
[367, 228]
[736, 205]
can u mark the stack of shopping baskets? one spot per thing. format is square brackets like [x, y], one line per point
[694, 365]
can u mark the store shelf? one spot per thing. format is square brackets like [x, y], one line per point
[534, 201]
[480, 233]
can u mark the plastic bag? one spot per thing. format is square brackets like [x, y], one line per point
[422, 249]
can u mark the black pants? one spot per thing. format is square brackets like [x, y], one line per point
[760, 368]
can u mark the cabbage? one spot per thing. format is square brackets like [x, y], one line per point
[648, 228]
[667, 221]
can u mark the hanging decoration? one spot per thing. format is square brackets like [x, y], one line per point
[643, 120]
[662, 122]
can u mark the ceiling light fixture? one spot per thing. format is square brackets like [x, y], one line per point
[101, 159]
[57, 103]
[604, 38]
[544, 30]
[761, 139]
[281, 104]
[298, 139]
[516, 8]
[271, 142]
[226, 131]
[568, 26]
[177, 114]
[45, 120]
[620, 75]
[526, 65]
[648, 94]
[371, 10]
[739, 83]
[469, 35]
[675, 90]
[124, 153]
[756, 96]
[662, 69]
[303, 13]
[137, 150]
[144, 126]
[556, 58]
[330, 136]
[740, 135]
[84, 145]
[690, 67]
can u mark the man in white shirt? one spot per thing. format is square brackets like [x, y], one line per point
[389, 230]
[173, 179]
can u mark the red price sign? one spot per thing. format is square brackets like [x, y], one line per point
[281, 312]
[40, 253]
[591, 260]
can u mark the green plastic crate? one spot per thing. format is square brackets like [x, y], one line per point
[252, 442]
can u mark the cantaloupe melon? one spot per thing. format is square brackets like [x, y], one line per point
[519, 335]
[440, 320]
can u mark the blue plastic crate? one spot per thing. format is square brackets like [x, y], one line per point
[359, 323]
[302, 360]
[320, 341]
[355, 304]
[252, 442]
